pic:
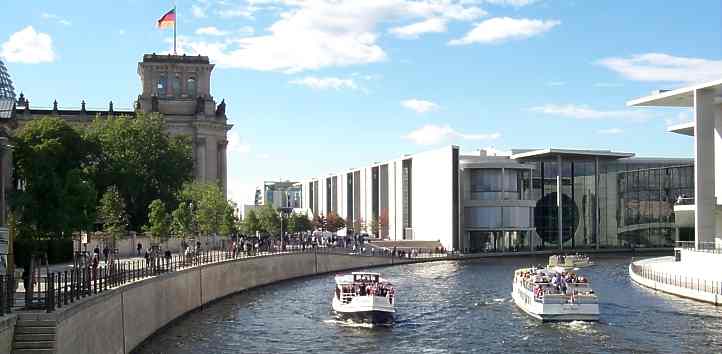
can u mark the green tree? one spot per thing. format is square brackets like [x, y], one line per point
[269, 220]
[55, 195]
[334, 222]
[359, 225]
[298, 223]
[111, 210]
[375, 226]
[158, 221]
[182, 221]
[137, 155]
[229, 222]
[209, 206]
[250, 223]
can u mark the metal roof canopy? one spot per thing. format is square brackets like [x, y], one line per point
[684, 128]
[549, 152]
[681, 97]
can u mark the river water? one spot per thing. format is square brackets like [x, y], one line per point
[446, 307]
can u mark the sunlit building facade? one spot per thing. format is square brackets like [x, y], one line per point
[479, 203]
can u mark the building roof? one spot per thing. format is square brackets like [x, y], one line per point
[684, 128]
[681, 97]
[550, 152]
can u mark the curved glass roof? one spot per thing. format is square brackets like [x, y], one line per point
[7, 93]
[6, 85]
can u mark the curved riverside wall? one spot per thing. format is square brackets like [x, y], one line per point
[672, 289]
[119, 320]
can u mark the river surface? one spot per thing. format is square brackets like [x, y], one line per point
[446, 307]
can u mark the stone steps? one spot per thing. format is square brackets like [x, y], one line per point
[34, 333]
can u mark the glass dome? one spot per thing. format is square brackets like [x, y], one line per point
[6, 85]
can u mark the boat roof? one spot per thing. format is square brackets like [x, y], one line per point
[349, 278]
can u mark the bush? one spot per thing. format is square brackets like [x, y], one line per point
[58, 250]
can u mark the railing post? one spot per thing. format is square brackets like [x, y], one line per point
[49, 294]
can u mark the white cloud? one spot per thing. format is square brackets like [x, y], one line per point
[586, 113]
[325, 83]
[198, 12]
[28, 46]
[210, 31]
[664, 67]
[310, 35]
[263, 156]
[610, 131]
[236, 145]
[556, 83]
[515, 3]
[431, 134]
[432, 25]
[500, 29]
[420, 106]
[62, 21]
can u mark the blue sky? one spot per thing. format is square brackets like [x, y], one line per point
[320, 86]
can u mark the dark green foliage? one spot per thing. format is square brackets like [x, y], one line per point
[142, 160]
[57, 195]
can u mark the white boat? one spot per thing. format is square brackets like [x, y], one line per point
[570, 261]
[549, 295]
[365, 298]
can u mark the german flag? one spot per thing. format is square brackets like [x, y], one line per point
[167, 20]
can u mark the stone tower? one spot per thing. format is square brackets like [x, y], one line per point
[178, 86]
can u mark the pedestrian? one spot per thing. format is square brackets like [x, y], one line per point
[140, 247]
[106, 251]
[97, 250]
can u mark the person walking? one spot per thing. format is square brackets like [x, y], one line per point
[140, 248]
[106, 251]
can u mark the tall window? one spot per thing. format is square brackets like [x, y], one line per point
[191, 86]
[176, 85]
[486, 184]
[162, 87]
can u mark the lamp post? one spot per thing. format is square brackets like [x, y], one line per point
[283, 212]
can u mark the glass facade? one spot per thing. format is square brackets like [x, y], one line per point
[6, 84]
[645, 204]
[607, 203]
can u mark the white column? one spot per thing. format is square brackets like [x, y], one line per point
[717, 107]
[704, 184]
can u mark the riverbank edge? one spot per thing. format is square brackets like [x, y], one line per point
[136, 311]
[697, 295]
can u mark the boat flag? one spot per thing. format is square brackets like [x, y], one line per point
[166, 21]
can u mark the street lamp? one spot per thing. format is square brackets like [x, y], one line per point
[284, 211]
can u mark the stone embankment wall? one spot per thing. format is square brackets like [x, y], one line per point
[119, 320]
[7, 330]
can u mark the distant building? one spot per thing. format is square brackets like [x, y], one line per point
[177, 86]
[279, 194]
[478, 203]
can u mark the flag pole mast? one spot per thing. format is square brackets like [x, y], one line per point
[175, 20]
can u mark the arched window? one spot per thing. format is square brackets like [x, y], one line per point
[191, 86]
[176, 85]
[162, 88]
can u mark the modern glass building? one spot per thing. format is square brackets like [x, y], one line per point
[530, 200]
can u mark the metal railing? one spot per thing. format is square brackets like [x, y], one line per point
[685, 201]
[678, 280]
[7, 293]
[60, 289]
[707, 246]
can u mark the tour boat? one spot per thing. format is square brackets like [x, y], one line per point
[365, 298]
[549, 295]
[570, 261]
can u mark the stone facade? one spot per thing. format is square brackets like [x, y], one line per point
[177, 86]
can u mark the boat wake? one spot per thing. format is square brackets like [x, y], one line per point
[495, 301]
[354, 324]
[578, 326]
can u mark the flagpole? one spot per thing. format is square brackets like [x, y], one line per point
[174, 24]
